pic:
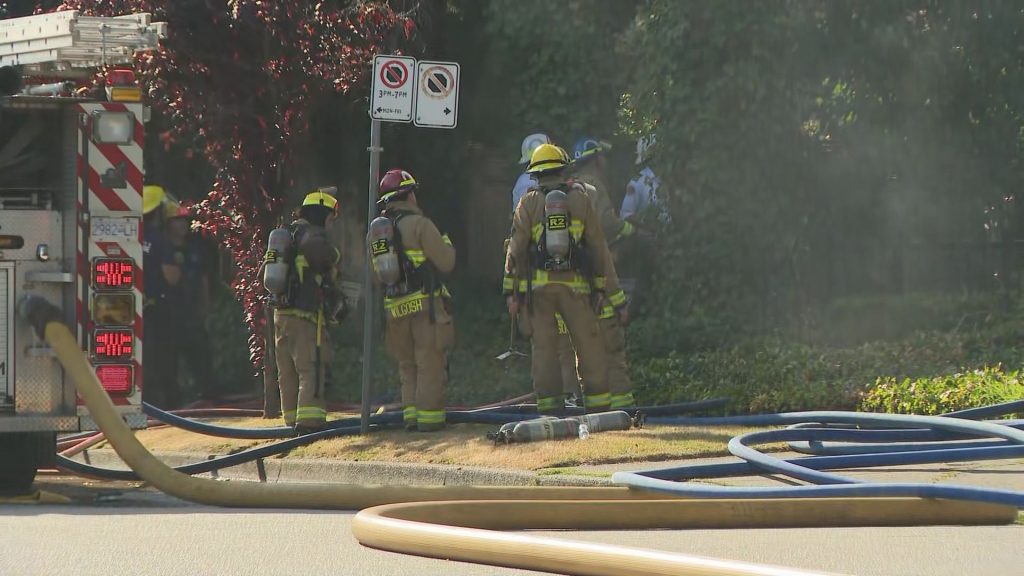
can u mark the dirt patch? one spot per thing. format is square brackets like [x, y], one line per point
[467, 445]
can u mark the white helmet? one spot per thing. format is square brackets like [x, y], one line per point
[643, 146]
[530, 143]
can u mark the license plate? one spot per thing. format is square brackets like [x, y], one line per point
[114, 228]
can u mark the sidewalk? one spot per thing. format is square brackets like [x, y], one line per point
[1002, 474]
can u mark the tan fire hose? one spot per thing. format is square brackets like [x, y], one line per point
[458, 522]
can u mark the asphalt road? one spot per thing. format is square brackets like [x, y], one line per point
[117, 528]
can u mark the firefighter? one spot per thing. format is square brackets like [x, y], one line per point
[590, 166]
[301, 315]
[566, 355]
[162, 274]
[556, 262]
[409, 257]
[190, 300]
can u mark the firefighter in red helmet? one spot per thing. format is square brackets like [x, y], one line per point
[409, 257]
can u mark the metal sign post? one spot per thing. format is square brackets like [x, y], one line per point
[369, 300]
[394, 99]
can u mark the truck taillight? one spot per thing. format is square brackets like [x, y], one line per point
[113, 273]
[116, 378]
[110, 344]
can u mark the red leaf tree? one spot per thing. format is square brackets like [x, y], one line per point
[235, 80]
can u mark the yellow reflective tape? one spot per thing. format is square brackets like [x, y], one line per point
[618, 299]
[310, 413]
[622, 400]
[536, 232]
[607, 312]
[597, 400]
[300, 266]
[430, 416]
[550, 403]
[415, 256]
[562, 328]
[406, 306]
[507, 284]
[409, 413]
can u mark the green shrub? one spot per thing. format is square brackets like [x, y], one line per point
[772, 375]
[935, 395]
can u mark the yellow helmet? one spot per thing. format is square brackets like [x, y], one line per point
[547, 158]
[152, 197]
[322, 197]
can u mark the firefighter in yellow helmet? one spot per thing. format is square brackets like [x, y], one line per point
[557, 261]
[309, 303]
[566, 354]
[409, 257]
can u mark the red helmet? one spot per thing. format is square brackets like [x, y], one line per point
[396, 182]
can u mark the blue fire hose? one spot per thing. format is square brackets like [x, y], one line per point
[831, 485]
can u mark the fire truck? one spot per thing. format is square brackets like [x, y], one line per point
[71, 180]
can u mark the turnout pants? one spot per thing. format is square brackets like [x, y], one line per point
[420, 347]
[613, 333]
[301, 380]
[567, 359]
[583, 328]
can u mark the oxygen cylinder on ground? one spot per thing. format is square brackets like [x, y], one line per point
[544, 429]
[275, 262]
[556, 226]
[606, 421]
[382, 251]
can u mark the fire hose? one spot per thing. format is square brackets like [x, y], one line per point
[456, 522]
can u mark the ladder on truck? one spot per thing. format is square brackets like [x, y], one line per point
[67, 44]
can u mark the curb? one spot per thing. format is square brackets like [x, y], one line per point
[353, 472]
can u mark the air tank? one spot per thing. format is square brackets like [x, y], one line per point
[556, 226]
[382, 251]
[275, 262]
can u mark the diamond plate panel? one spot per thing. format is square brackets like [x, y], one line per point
[38, 424]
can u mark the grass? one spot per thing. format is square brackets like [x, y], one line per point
[467, 445]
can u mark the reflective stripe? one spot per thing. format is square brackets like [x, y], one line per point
[550, 403]
[297, 313]
[310, 413]
[600, 282]
[592, 401]
[406, 305]
[509, 283]
[622, 401]
[409, 414]
[607, 311]
[578, 283]
[289, 417]
[618, 299]
[446, 239]
[627, 229]
[416, 257]
[562, 328]
[430, 417]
